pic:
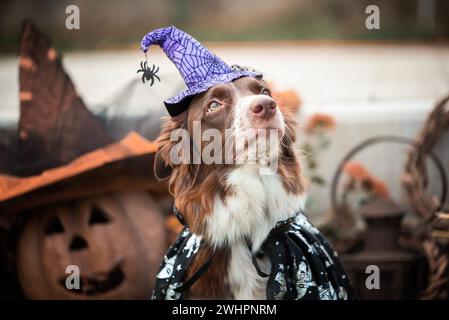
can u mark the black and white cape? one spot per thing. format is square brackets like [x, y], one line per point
[304, 265]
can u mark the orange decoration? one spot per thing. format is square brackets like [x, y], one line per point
[356, 170]
[320, 121]
[369, 182]
[380, 189]
[288, 99]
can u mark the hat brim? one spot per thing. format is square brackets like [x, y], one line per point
[180, 102]
[124, 165]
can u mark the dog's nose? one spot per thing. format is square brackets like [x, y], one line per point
[263, 107]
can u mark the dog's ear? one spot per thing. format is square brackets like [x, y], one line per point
[163, 167]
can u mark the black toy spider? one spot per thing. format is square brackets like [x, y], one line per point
[148, 74]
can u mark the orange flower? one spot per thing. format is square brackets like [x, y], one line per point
[369, 183]
[380, 189]
[356, 170]
[288, 99]
[320, 121]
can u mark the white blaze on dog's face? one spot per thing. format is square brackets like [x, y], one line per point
[257, 128]
[255, 113]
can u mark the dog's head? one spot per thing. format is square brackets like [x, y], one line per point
[229, 125]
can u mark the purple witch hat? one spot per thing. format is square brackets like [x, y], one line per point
[200, 68]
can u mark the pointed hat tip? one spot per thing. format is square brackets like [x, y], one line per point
[199, 67]
[156, 37]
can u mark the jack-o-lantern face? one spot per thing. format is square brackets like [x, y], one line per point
[116, 241]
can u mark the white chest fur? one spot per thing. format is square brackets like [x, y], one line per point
[244, 282]
[257, 203]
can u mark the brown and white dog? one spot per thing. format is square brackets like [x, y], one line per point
[229, 203]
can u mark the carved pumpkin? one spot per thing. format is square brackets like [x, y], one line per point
[116, 240]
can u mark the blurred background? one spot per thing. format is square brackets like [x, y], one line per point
[346, 84]
[118, 24]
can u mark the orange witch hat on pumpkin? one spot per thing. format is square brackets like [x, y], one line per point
[60, 150]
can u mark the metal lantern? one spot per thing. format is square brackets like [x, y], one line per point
[381, 251]
[396, 265]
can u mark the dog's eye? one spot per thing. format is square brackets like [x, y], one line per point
[265, 91]
[214, 105]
